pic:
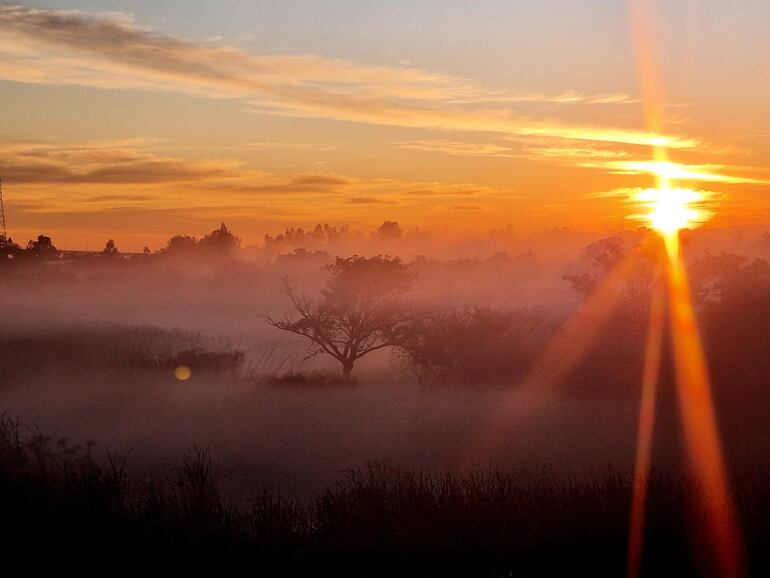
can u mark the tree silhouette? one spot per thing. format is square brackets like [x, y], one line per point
[603, 255]
[390, 230]
[360, 310]
[42, 248]
[180, 245]
[8, 249]
[110, 249]
[220, 241]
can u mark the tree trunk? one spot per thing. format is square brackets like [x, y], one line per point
[347, 370]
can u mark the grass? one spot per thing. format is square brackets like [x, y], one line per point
[64, 508]
[311, 379]
[112, 347]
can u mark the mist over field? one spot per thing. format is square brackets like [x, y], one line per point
[90, 345]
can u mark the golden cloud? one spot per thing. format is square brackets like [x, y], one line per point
[55, 177]
[109, 51]
[678, 171]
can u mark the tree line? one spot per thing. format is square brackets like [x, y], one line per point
[220, 241]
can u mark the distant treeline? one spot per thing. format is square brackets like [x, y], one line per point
[220, 241]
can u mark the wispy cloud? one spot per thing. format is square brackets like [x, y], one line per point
[567, 97]
[281, 145]
[113, 51]
[461, 149]
[370, 201]
[540, 149]
[608, 158]
[103, 162]
[620, 193]
[121, 174]
[573, 155]
[449, 190]
[678, 171]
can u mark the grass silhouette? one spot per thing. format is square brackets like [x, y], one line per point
[63, 508]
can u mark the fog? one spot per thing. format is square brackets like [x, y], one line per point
[89, 344]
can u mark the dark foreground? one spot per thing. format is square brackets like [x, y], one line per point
[63, 509]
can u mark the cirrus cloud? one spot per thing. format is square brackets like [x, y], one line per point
[113, 51]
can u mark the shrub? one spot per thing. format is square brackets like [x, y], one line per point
[477, 344]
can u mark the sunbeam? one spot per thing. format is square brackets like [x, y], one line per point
[562, 353]
[646, 427]
[698, 417]
[672, 209]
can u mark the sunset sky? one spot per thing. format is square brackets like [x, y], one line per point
[139, 120]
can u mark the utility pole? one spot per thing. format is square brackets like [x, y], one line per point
[3, 232]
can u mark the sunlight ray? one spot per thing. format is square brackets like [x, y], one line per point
[671, 211]
[562, 353]
[651, 375]
[699, 420]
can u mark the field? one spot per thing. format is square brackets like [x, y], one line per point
[381, 520]
[438, 458]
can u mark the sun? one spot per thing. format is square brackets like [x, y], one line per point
[673, 209]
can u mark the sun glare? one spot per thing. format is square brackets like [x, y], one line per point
[673, 209]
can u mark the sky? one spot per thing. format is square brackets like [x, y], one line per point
[139, 120]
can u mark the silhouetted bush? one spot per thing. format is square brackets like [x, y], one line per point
[110, 346]
[733, 298]
[479, 344]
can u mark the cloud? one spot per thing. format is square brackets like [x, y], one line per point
[459, 148]
[255, 182]
[621, 193]
[677, 171]
[449, 190]
[607, 158]
[571, 155]
[567, 97]
[275, 145]
[104, 162]
[113, 51]
[369, 201]
[539, 149]
[119, 198]
[130, 175]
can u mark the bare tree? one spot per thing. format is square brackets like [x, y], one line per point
[360, 310]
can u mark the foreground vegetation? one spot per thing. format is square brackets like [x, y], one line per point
[64, 508]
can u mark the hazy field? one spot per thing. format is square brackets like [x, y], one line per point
[77, 331]
[88, 355]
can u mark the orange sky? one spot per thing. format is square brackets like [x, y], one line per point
[152, 121]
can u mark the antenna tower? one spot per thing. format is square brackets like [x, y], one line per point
[3, 232]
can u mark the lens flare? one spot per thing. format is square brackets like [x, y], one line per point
[642, 466]
[673, 209]
[183, 373]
